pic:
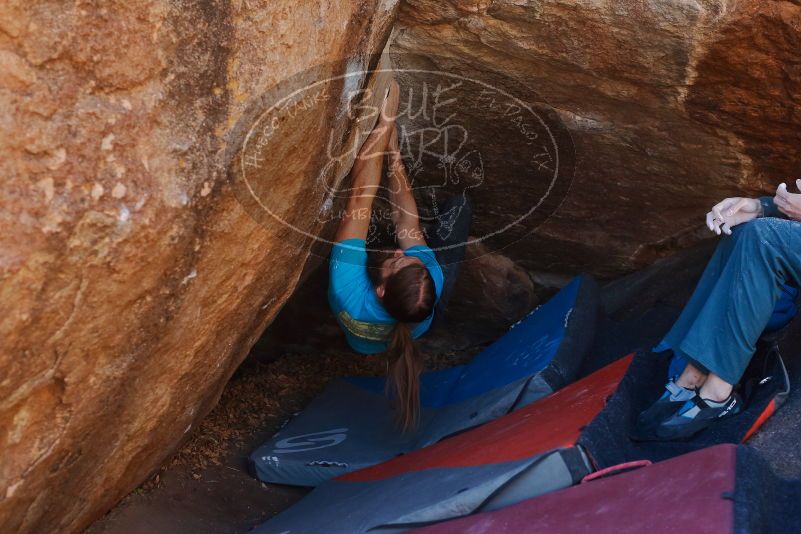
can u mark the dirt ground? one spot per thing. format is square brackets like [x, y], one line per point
[206, 487]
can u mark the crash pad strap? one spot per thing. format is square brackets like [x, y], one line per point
[615, 469]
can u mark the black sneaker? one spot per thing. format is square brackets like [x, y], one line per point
[695, 416]
[672, 399]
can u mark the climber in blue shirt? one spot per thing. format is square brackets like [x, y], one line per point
[385, 301]
[730, 308]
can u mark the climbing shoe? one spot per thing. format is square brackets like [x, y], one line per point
[668, 404]
[694, 416]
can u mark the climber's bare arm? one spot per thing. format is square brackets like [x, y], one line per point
[356, 218]
[366, 173]
[404, 208]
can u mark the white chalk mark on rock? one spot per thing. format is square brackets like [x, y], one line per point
[118, 191]
[189, 277]
[107, 143]
[97, 191]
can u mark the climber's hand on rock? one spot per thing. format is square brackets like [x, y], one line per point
[789, 203]
[730, 212]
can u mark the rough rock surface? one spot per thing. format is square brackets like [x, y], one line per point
[670, 105]
[491, 294]
[133, 276]
[132, 280]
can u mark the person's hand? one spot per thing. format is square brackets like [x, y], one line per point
[789, 203]
[730, 212]
[395, 163]
[394, 158]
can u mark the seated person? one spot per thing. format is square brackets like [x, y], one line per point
[718, 329]
[386, 309]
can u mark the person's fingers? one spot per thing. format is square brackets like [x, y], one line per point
[393, 138]
[781, 191]
[719, 219]
[798, 185]
[726, 228]
[782, 203]
[715, 218]
[389, 109]
[789, 209]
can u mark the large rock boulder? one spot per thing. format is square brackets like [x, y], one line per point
[134, 277]
[161, 179]
[670, 106]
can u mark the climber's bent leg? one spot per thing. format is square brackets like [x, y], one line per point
[700, 295]
[447, 235]
[765, 253]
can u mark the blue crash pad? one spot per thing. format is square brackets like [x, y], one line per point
[351, 425]
[518, 456]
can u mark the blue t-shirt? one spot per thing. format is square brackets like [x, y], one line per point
[352, 296]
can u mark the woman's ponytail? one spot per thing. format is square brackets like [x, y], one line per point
[409, 297]
[405, 365]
